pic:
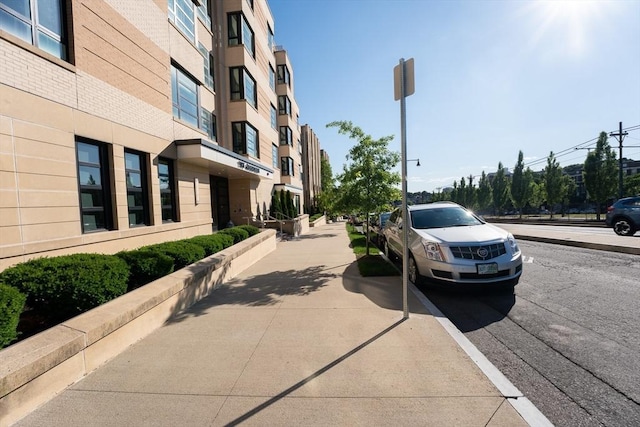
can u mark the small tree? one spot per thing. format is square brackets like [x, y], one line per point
[484, 192]
[500, 189]
[520, 185]
[600, 172]
[555, 183]
[368, 183]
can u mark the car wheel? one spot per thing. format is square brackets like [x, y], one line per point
[623, 227]
[414, 274]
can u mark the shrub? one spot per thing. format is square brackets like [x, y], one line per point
[209, 242]
[227, 240]
[237, 233]
[64, 286]
[182, 252]
[145, 266]
[251, 229]
[11, 305]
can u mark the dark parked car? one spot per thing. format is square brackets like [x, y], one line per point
[624, 216]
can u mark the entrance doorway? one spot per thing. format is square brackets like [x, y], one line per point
[220, 202]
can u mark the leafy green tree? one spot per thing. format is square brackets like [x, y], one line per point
[556, 185]
[500, 189]
[462, 193]
[632, 184]
[600, 172]
[472, 195]
[484, 192]
[276, 206]
[327, 189]
[368, 183]
[520, 185]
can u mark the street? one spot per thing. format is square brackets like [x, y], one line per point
[568, 338]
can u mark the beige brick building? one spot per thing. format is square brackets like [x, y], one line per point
[124, 123]
[311, 165]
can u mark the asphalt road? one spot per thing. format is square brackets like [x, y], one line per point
[569, 337]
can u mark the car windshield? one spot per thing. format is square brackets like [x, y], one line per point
[450, 216]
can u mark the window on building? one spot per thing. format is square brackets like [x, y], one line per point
[38, 22]
[271, 38]
[245, 139]
[243, 86]
[250, 3]
[184, 91]
[274, 117]
[272, 78]
[286, 166]
[274, 156]
[299, 146]
[286, 136]
[284, 105]
[208, 124]
[137, 189]
[239, 32]
[181, 13]
[167, 190]
[283, 75]
[204, 13]
[207, 57]
[94, 186]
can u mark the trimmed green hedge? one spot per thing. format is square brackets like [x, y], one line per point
[211, 243]
[64, 286]
[145, 266]
[237, 233]
[182, 252]
[251, 229]
[11, 305]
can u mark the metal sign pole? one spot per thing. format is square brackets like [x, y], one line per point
[405, 222]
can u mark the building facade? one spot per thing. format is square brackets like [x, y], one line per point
[125, 123]
[311, 165]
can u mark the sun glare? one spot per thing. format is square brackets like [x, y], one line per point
[566, 24]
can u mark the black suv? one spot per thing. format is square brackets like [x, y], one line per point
[624, 216]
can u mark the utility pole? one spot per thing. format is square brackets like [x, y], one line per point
[619, 136]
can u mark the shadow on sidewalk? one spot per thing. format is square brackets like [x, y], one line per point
[311, 377]
[383, 291]
[260, 291]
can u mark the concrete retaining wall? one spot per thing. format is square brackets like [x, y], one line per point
[34, 370]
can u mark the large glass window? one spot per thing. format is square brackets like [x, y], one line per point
[239, 32]
[209, 79]
[38, 22]
[274, 117]
[245, 139]
[286, 136]
[181, 13]
[208, 124]
[286, 166]
[271, 39]
[167, 190]
[204, 13]
[243, 86]
[94, 184]
[272, 78]
[284, 105]
[137, 189]
[184, 91]
[274, 156]
[284, 77]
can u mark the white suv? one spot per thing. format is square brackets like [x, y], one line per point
[449, 244]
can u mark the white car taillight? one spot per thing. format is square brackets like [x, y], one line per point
[432, 250]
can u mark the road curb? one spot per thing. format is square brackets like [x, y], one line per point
[588, 245]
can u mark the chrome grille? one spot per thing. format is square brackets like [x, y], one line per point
[479, 253]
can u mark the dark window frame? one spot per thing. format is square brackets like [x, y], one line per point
[36, 28]
[284, 105]
[142, 191]
[286, 136]
[284, 76]
[238, 22]
[238, 89]
[179, 101]
[240, 141]
[169, 210]
[98, 193]
[286, 166]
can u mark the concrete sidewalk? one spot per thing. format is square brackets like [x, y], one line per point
[299, 338]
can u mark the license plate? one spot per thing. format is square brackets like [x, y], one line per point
[487, 268]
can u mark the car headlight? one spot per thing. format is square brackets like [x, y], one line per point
[432, 250]
[513, 244]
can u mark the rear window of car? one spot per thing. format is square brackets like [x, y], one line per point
[442, 218]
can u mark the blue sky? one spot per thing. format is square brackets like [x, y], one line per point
[491, 78]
